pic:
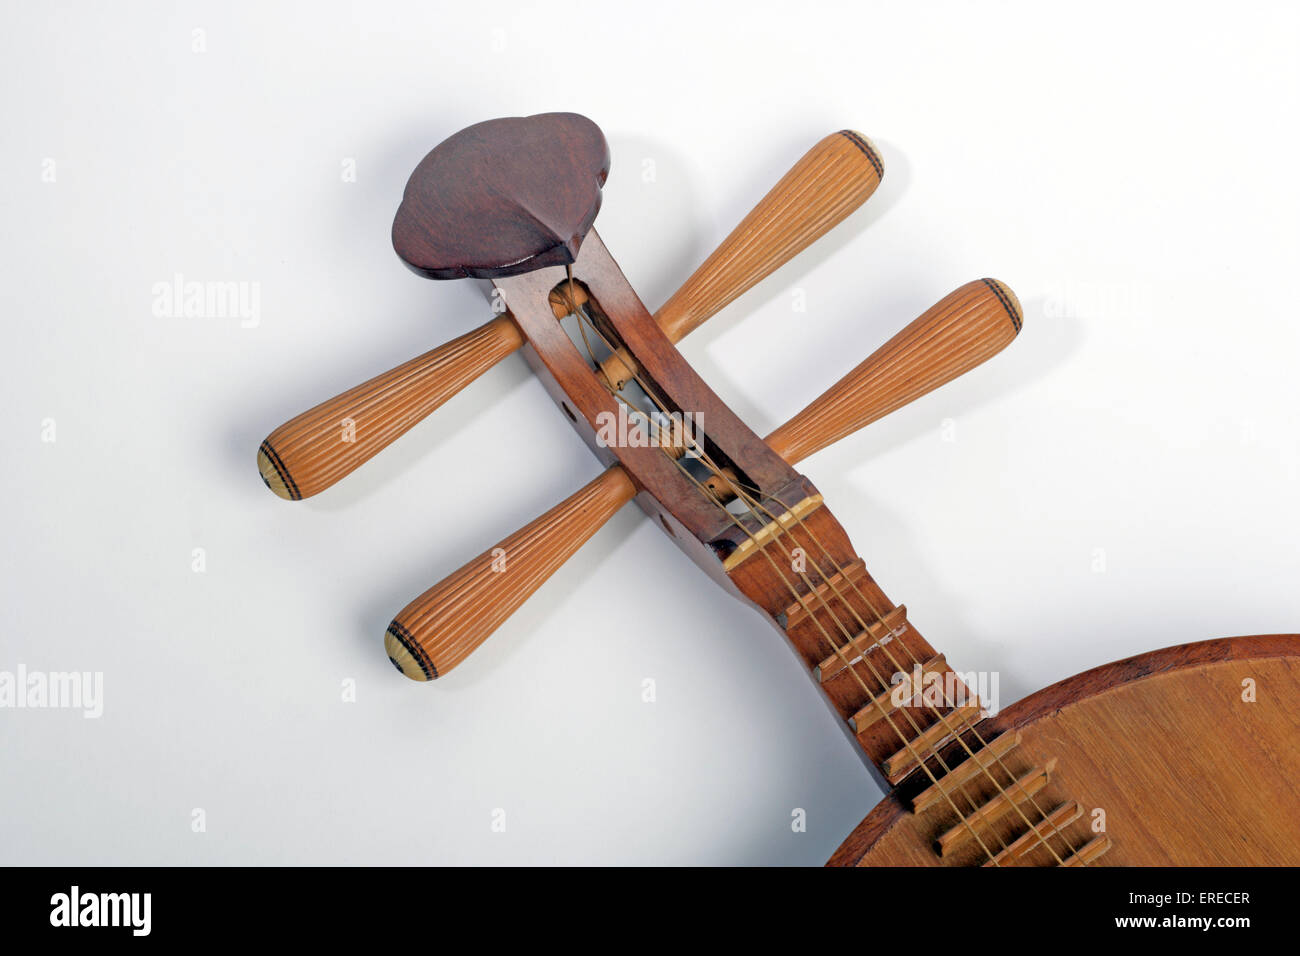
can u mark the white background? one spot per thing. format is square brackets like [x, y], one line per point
[1129, 169]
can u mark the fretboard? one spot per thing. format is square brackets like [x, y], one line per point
[915, 718]
[813, 586]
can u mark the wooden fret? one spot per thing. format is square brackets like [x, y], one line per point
[1055, 821]
[892, 625]
[839, 583]
[1113, 752]
[1088, 853]
[925, 745]
[964, 772]
[1002, 803]
[883, 703]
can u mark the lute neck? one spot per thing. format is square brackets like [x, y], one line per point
[915, 719]
[808, 580]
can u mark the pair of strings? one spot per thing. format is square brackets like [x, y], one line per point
[754, 507]
[799, 597]
[756, 504]
[829, 580]
[957, 733]
[906, 741]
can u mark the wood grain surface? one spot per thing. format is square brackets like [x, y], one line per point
[829, 182]
[312, 451]
[1184, 768]
[964, 329]
[437, 630]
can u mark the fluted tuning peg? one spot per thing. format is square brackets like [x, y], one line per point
[440, 628]
[312, 451]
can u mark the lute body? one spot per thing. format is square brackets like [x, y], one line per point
[1190, 753]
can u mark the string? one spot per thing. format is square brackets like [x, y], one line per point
[942, 719]
[753, 506]
[880, 619]
[921, 761]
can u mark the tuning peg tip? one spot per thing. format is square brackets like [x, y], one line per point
[407, 655]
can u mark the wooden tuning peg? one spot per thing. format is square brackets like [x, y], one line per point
[312, 451]
[962, 330]
[440, 628]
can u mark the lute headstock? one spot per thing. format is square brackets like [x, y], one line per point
[513, 200]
